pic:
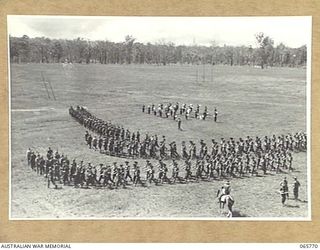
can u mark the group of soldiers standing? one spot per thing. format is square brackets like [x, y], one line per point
[173, 110]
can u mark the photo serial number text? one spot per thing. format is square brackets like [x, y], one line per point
[308, 246]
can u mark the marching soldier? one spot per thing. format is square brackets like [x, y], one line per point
[86, 136]
[188, 170]
[114, 170]
[198, 170]
[127, 171]
[33, 161]
[120, 177]
[184, 150]
[175, 172]
[89, 141]
[65, 175]
[49, 153]
[107, 176]
[290, 161]
[101, 173]
[51, 178]
[29, 153]
[136, 174]
[42, 163]
[150, 173]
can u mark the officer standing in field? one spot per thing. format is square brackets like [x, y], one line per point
[179, 124]
[283, 194]
[215, 114]
[296, 186]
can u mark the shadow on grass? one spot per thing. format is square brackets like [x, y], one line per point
[244, 177]
[269, 174]
[298, 200]
[291, 206]
[303, 201]
[57, 188]
[236, 213]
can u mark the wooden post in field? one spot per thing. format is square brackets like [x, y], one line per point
[197, 74]
[212, 74]
[204, 73]
[45, 85]
[54, 97]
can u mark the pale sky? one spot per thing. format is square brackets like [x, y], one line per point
[236, 31]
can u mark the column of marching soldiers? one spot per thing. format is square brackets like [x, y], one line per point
[227, 159]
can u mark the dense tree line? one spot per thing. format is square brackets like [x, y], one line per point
[44, 50]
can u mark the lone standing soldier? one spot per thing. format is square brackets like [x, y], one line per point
[296, 186]
[283, 194]
[215, 114]
[179, 124]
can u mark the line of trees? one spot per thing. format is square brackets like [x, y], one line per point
[44, 50]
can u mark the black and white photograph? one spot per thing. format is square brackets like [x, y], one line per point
[159, 118]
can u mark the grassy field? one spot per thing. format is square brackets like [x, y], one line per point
[250, 101]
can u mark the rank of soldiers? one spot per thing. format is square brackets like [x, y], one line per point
[167, 110]
[227, 159]
[267, 148]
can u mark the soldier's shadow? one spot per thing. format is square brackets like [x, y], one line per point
[303, 201]
[292, 206]
[236, 213]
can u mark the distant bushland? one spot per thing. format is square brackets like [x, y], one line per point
[44, 50]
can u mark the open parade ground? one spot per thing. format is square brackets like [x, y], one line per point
[250, 102]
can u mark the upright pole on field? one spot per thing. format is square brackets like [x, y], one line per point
[212, 74]
[54, 97]
[204, 73]
[45, 85]
[197, 74]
